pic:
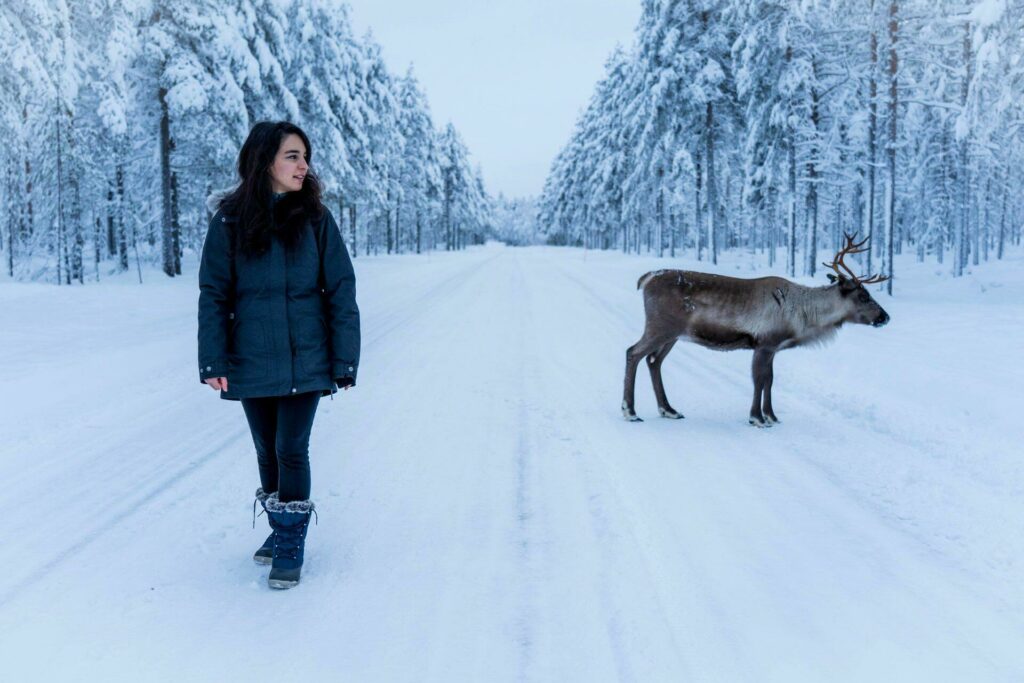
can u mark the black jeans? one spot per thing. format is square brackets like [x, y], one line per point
[280, 427]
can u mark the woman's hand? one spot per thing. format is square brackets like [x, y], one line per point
[218, 383]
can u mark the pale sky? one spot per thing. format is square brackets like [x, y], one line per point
[512, 75]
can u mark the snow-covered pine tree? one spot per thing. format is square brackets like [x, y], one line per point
[465, 206]
[331, 109]
[201, 67]
[385, 142]
[772, 80]
[419, 164]
[45, 73]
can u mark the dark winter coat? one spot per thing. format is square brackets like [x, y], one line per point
[282, 323]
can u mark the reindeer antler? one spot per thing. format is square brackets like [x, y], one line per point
[852, 247]
[874, 279]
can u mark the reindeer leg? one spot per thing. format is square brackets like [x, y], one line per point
[768, 412]
[654, 361]
[760, 370]
[633, 355]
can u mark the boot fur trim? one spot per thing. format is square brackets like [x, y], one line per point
[273, 504]
[261, 495]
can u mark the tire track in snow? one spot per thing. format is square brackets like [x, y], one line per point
[427, 389]
[524, 505]
[523, 512]
[568, 455]
[421, 305]
[807, 411]
[165, 483]
[126, 511]
[802, 469]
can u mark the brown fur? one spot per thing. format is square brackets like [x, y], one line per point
[765, 315]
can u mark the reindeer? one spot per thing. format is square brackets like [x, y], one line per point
[765, 314]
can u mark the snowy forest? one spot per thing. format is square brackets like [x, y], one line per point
[777, 126]
[119, 117]
[773, 127]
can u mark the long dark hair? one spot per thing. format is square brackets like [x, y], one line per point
[251, 200]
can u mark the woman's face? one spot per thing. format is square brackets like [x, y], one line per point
[289, 168]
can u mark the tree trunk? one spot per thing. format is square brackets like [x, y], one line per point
[398, 228]
[448, 243]
[812, 187]
[60, 189]
[11, 227]
[622, 225]
[985, 238]
[175, 221]
[869, 226]
[840, 204]
[389, 237]
[890, 203]
[122, 233]
[709, 139]
[352, 225]
[111, 232]
[960, 257]
[29, 227]
[661, 212]
[389, 226]
[791, 246]
[167, 238]
[97, 240]
[672, 234]
[698, 214]
[1002, 226]
[76, 266]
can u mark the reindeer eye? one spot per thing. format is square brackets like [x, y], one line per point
[864, 297]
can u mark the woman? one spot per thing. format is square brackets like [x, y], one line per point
[278, 323]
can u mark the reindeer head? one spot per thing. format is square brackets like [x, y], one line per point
[861, 307]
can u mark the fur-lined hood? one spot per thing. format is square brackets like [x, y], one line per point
[217, 198]
[289, 214]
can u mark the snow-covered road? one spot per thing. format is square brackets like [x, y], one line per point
[485, 514]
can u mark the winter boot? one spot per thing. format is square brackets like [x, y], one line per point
[266, 552]
[290, 521]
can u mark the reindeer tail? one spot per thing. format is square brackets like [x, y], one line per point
[645, 278]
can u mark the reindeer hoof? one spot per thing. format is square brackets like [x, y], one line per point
[771, 419]
[631, 418]
[758, 422]
[670, 414]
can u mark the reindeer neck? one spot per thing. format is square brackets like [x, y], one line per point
[819, 306]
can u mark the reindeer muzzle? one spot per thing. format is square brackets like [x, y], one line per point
[880, 320]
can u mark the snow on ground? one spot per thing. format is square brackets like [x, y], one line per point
[485, 512]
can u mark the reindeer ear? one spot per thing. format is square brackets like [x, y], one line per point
[832, 278]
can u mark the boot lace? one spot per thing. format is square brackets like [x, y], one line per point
[254, 515]
[289, 539]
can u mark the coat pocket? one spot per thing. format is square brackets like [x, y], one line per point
[312, 347]
[249, 360]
